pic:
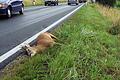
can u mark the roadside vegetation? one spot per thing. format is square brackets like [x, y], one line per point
[30, 2]
[87, 51]
[118, 3]
[113, 15]
[110, 3]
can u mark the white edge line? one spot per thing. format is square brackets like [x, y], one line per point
[17, 48]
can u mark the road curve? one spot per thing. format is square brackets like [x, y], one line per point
[19, 28]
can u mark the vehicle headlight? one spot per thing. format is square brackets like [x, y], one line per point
[0, 5]
[3, 5]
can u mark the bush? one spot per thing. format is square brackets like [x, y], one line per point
[118, 3]
[115, 29]
[109, 3]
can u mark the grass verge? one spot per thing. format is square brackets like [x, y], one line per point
[88, 52]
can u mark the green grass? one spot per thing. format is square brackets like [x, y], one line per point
[88, 52]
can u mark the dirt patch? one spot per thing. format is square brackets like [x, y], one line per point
[8, 69]
[112, 71]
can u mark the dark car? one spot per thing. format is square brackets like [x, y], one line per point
[72, 2]
[8, 7]
[82, 1]
[51, 2]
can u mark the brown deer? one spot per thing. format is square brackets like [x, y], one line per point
[43, 41]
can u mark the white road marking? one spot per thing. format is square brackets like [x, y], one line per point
[17, 48]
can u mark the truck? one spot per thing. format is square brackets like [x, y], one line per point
[51, 2]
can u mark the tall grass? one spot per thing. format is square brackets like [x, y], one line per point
[113, 15]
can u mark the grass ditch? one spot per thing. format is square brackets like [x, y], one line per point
[88, 52]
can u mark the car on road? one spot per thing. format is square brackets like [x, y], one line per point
[8, 7]
[51, 2]
[72, 2]
[82, 1]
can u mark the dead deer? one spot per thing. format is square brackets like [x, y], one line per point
[43, 41]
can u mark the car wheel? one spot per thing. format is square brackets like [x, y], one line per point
[68, 3]
[22, 10]
[45, 4]
[8, 13]
[76, 3]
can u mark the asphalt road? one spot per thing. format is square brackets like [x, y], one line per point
[19, 28]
